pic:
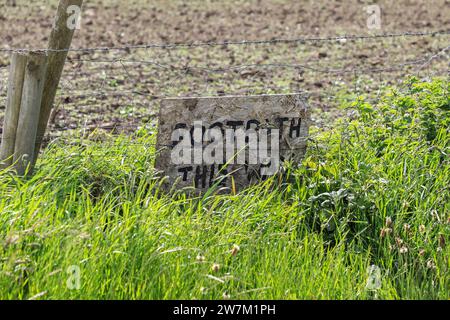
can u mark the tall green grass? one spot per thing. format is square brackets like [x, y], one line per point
[373, 191]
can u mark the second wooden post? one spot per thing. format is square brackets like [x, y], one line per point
[29, 112]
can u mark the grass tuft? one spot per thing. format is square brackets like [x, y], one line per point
[372, 194]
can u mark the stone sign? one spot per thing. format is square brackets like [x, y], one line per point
[229, 142]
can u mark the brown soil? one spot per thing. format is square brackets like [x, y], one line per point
[120, 90]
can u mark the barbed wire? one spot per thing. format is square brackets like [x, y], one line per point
[394, 67]
[113, 92]
[421, 63]
[137, 96]
[301, 40]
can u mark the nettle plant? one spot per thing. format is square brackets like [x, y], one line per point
[390, 159]
[414, 115]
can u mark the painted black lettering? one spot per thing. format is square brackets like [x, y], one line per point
[252, 121]
[295, 127]
[179, 126]
[185, 171]
[235, 124]
[200, 176]
[223, 174]
[211, 175]
[281, 122]
[217, 125]
[192, 135]
[249, 126]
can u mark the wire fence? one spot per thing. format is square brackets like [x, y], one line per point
[303, 40]
[118, 88]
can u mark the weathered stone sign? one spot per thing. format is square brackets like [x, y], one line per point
[230, 141]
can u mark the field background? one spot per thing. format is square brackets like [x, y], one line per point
[371, 194]
[120, 91]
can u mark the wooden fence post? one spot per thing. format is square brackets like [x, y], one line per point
[33, 85]
[14, 98]
[60, 39]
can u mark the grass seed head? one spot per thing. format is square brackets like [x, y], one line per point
[235, 250]
[11, 240]
[405, 205]
[388, 222]
[441, 241]
[200, 258]
[406, 227]
[430, 264]
[385, 232]
[215, 267]
[403, 250]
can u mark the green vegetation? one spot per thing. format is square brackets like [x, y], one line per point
[374, 190]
